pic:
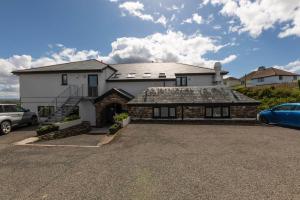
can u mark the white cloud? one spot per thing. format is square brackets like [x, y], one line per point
[292, 66]
[195, 18]
[135, 9]
[168, 47]
[258, 15]
[162, 20]
[176, 8]
[217, 27]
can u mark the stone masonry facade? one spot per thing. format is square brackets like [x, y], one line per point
[236, 111]
[113, 98]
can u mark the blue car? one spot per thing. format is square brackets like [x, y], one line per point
[287, 114]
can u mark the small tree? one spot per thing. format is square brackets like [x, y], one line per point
[299, 84]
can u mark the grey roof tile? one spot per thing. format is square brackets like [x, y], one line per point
[87, 65]
[186, 95]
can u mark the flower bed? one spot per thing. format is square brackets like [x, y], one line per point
[67, 124]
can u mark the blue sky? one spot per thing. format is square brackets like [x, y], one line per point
[242, 34]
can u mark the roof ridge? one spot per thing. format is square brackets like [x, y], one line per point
[61, 64]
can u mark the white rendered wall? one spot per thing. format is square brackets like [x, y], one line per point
[272, 80]
[87, 112]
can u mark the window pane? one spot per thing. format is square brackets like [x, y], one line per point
[1, 109]
[45, 111]
[178, 81]
[297, 108]
[225, 111]
[93, 81]
[184, 81]
[64, 79]
[164, 111]
[217, 112]
[10, 108]
[208, 112]
[172, 112]
[156, 112]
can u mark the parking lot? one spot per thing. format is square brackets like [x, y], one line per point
[159, 161]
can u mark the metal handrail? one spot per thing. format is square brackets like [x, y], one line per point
[70, 91]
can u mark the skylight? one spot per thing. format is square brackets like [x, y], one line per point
[131, 75]
[162, 75]
[147, 75]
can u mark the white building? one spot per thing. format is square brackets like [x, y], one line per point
[265, 76]
[56, 90]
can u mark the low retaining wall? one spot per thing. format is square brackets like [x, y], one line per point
[82, 128]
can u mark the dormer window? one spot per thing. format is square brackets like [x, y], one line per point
[131, 75]
[162, 75]
[147, 75]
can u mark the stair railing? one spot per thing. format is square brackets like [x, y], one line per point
[62, 98]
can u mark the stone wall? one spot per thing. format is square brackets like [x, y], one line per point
[101, 105]
[140, 112]
[83, 128]
[243, 111]
[193, 111]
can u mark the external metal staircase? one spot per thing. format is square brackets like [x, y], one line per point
[65, 103]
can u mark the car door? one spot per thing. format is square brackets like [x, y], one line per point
[15, 115]
[294, 117]
[281, 114]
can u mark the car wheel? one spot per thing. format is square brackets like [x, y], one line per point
[264, 120]
[34, 121]
[6, 127]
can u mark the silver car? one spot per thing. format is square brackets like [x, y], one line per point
[12, 115]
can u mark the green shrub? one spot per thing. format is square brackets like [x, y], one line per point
[271, 96]
[46, 129]
[299, 84]
[114, 128]
[120, 117]
[71, 118]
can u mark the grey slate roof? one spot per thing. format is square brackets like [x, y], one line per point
[170, 69]
[138, 69]
[87, 65]
[191, 95]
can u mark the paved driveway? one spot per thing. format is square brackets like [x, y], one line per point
[161, 162]
[16, 135]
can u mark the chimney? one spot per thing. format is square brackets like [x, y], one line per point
[261, 68]
[218, 77]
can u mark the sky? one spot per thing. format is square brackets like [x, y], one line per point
[241, 34]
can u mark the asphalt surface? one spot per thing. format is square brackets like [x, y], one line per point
[160, 162]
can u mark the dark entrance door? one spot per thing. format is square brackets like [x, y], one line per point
[110, 112]
[93, 85]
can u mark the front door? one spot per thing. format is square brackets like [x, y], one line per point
[93, 85]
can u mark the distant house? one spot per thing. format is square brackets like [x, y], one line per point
[232, 81]
[264, 76]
